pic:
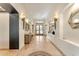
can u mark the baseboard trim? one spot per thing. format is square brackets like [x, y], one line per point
[57, 48]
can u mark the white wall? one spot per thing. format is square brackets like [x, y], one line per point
[67, 39]
[21, 34]
[68, 32]
[69, 49]
[4, 30]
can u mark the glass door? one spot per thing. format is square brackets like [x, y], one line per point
[39, 29]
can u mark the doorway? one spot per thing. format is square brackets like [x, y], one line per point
[39, 29]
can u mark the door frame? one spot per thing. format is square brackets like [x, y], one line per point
[39, 24]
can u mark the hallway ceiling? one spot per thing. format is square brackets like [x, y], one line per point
[39, 11]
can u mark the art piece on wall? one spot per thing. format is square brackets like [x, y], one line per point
[51, 27]
[32, 28]
[27, 27]
[74, 20]
[52, 24]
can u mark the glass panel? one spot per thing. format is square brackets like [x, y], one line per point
[41, 32]
[37, 32]
[37, 27]
[41, 27]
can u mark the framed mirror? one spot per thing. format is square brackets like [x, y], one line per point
[74, 20]
[27, 27]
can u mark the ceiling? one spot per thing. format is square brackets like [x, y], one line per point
[39, 11]
[7, 7]
[2, 9]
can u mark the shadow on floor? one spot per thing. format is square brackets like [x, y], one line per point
[40, 53]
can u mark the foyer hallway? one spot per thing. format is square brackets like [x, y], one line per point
[39, 45]
[39, 29]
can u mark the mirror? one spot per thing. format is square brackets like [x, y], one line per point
[27, 27]
[74, 20]
[51, 26]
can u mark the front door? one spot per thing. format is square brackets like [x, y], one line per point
[39, 29]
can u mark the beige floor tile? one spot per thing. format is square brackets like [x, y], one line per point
[39, 43]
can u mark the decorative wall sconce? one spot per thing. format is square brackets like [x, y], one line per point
[26, 20]
[23, 19]
[55, 20]
[26, 25]
[74, 20]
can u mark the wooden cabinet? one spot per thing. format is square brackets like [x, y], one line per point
[28, 38]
